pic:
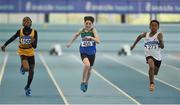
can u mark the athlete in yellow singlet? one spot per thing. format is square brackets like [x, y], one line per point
[27, 44]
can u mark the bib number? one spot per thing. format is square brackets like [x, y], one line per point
[86, 43]
[25, 40]
[151, 46]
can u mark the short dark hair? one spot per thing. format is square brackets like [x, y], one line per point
[27, 18]
[89, 18]
[154, 21]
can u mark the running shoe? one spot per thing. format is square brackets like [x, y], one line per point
[82, 87]
[86, 87]
[151, 87]
[22, 71]
[27, 91]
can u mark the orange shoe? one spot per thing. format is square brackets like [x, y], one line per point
[151, 87]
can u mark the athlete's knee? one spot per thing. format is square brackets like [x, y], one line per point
[25, 65]
[151, 67]
[31, 67]
[87, 66]
[31, 74]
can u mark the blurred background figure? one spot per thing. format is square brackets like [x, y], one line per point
[56, 50]
[125, 50]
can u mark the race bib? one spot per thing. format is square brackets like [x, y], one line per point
[86, 43]
[151, 46]
[25, 40]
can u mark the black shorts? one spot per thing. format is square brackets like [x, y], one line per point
[156, 62]
[30, 59]
[91, 58]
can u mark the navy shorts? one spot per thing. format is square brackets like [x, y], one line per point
[91, 58]
[156, 62]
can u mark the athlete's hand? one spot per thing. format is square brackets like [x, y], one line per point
[132, 47]
[3, 48]
[68, 45]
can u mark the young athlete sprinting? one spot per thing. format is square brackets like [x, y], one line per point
[152, 47]
[27, 43]
[89, 39]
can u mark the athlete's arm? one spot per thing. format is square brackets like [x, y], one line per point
[73, 39]
[10, 40]
[96, 36]
[35, 39]
[138, 39]
[161, 42]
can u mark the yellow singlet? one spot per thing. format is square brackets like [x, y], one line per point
[25, 47]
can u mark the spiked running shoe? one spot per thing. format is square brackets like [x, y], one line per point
[86, 87]
[82, 87]
[27, 91]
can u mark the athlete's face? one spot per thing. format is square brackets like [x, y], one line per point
[27, 22]
[88, 24]
[154, 27]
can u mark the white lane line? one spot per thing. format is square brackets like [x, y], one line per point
[171, 66]
[3, 67]
[174, 57]
[53, 79]
[138, 70]
[109, 82]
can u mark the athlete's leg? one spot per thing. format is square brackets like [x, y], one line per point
[30, 75]
[91, 59]
[24, 63]
[157, 66]
[151, 73]
[31, 61]
[85, 72]
[88, 74]
[156, 70]
[86, 69]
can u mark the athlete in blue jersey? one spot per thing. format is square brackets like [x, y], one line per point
[87, 49]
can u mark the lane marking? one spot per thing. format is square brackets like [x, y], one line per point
[53, 79]
[174, 57]
[109, 82]
[171, 66]
[138, 70]
[3, 67]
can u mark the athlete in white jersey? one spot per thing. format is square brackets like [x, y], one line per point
[152, 48]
